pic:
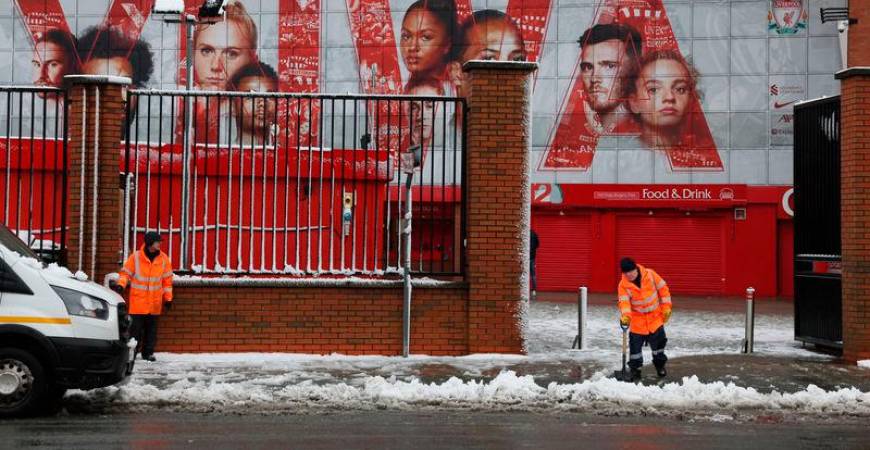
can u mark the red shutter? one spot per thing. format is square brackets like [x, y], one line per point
[564, 260]
[687, 251]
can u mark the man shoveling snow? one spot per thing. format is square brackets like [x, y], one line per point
[645, 305]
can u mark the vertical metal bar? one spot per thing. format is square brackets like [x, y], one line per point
[274, 144]
[343, 174]
[127, 138]
[230, 184]
[297, 264]
[95, 200]
[320, 195]
[464, 168]
[160, 162]
[264, 158]
[65, 172]
[444, 187]
[42, 221]
[286, 215]
[205, 205]
[30, 236]
[20, 150]
[218, 190]
[148, 166]
[194, 187]
[375, 183]
[332, 154]
[432, 203]
[8, 156]
[54, 196]
[353, 183]
[406, 310]
[366, 192]
[749, 340]
[82, 177]
[185, 156]
[310, 191]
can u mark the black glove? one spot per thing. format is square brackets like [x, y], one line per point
[117, 288]
[167, 305]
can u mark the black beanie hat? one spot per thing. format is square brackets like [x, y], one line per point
[151, 237]
[627, 265]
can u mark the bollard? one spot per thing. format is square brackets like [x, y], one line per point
[750, 320]
[582, 301]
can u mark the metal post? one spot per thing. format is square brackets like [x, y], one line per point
[190, 21]
[406, 231]
[582, 302]
[750, 320]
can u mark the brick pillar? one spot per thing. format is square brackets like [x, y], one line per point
[855, 187]
[498, 202]
[94, 138]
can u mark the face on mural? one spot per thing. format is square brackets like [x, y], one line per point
[117, 66]
[256, 115]
[424, 42]
[423, 114]
[494, 40]
[220, 49]
[602, 66]
[662, 95]
[49, 64]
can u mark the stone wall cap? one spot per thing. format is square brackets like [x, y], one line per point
[96, 79]
[520, 66]
[852, 71]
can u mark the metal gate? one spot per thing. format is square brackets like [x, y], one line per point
[33, 166]
[818, 296]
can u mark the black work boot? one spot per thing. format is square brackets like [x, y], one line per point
[635, 375]
[660, 370]
[149, 358]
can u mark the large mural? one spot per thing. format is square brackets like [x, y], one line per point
[628, 91]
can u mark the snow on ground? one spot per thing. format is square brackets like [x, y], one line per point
[297, 382]
[864, 363]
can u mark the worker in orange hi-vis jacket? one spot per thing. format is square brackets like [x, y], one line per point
[645, 305]
[148, 272]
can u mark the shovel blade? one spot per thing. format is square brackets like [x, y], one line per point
[622, 375]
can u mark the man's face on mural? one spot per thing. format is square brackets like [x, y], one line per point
[49, 64]
[256, 115]
[424, 42]
[602, 68]
[220, 50]
[493, 40]
[663, 94]
[423, 114]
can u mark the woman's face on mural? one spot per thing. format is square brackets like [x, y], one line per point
[424, 42]
[662, 94]
[220, 49]
[494, 40]
[49, 64]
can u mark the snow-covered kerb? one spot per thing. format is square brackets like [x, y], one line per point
[507, 391]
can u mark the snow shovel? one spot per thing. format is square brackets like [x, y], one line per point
[623, 375]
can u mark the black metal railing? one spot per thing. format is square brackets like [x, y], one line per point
[299, 184]
[33, 132]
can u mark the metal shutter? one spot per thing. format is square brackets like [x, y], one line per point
[687, 251]
[564, 260]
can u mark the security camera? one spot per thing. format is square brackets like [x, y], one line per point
[842, 25]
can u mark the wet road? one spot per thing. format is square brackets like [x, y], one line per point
[421, 431]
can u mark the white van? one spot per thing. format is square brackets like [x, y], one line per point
[57, 331]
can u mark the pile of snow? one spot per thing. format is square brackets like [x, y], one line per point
[864, 363]
[507, 391]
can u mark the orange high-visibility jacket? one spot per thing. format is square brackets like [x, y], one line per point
[646, 304]
[150, 282]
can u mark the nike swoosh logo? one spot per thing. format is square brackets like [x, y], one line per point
[778, 105]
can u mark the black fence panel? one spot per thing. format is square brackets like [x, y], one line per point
[818, 266]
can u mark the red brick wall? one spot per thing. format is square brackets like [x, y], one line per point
[349, 320]
[855, 195]
[111, 122]
[498, 210]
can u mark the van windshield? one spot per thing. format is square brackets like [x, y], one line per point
[9, 240]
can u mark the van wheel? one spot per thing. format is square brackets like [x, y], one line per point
[23, 383]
